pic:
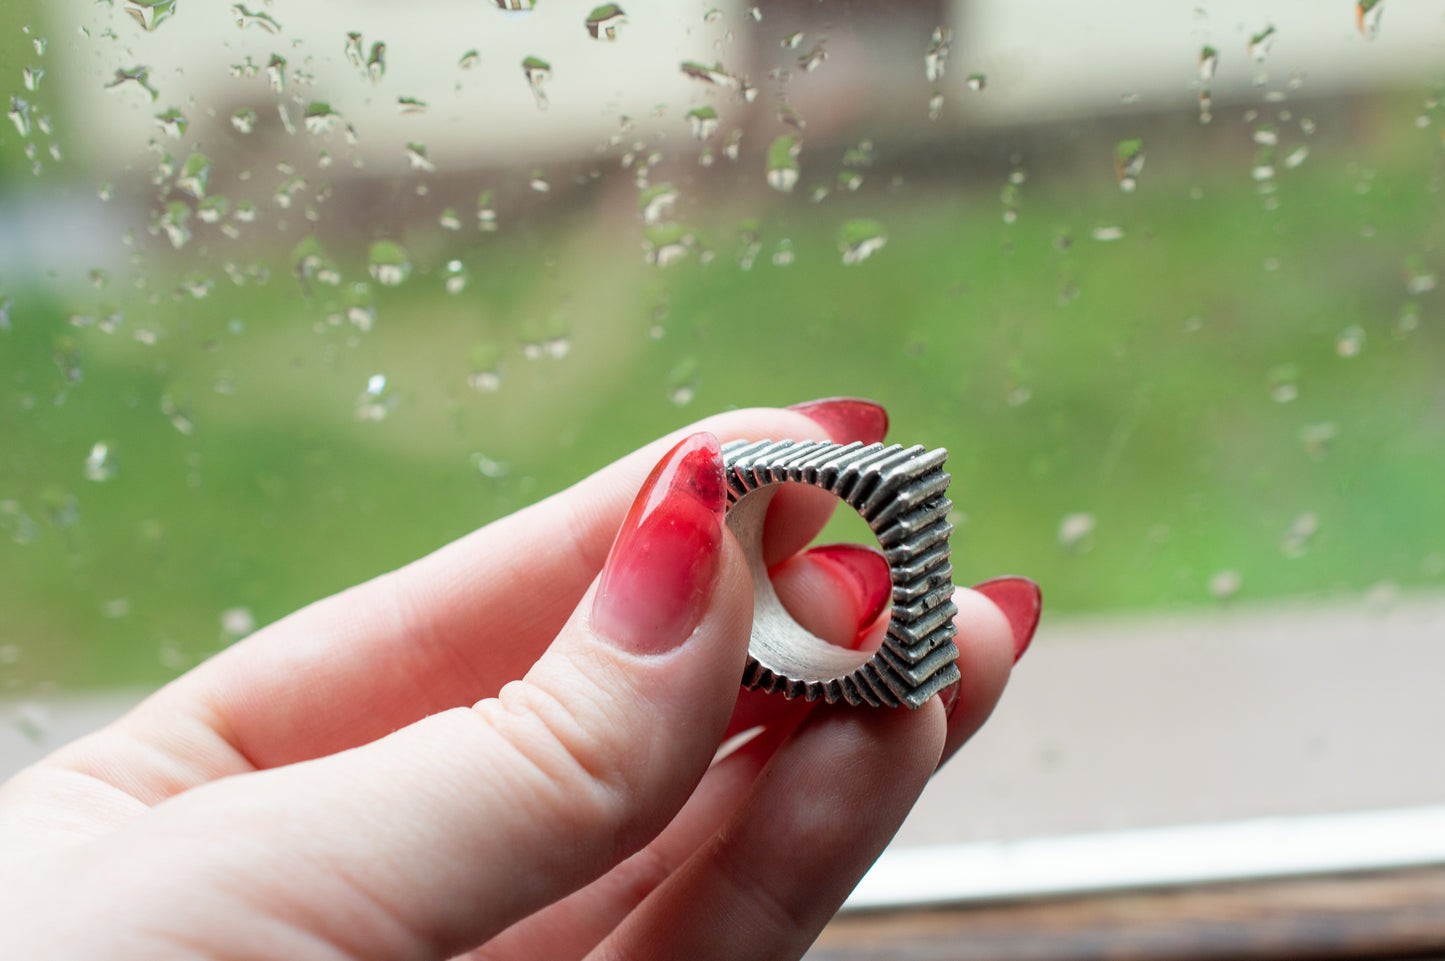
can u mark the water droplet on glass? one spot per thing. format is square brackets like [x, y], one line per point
[1266, 135]
[1350, 341]
[21, 527]
[813, 59]
[603, 21]
[756, 13]
[449, 219]
[712, 16]
[657, 202]
[1208, 63]
[515, 6]
[1075, 530]
[195, 175]
[469, 59]
[704, 122]
[319, 118]
[1225, 584]
[32, 720]
[31, 77]
[539, 181]
[1296, 156]
[1129, 163]
[860, 239]
[790, 117]
[1106, 234]
[486, 213]
[666, 244]
[1283, 380]
[487, 467]
[1260, 43]
[248, 18]
[39, 43]
[456, 277]
[244, 120]
[388, 263]
[354, 47]
[416, 155]
[1263, 167]
[276, 73]
[136, 76]
[733, 143]
[411, 105]
[714, 75]
[375, 403]
[782, 170]
[172, 122]
[537, 71]
[174, 222]
[150, 13]
[1296, 538]
[849, 180]
[19, 115]
[935, 60]
[977, 82]
[100, 463]
[1367, 17]
[237, 622]
[783, 253]
[1317, 439]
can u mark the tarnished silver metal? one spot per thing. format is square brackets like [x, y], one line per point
[901, 493]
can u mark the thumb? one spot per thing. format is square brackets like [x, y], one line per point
[434, 838]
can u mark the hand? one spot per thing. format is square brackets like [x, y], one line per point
[496, 747]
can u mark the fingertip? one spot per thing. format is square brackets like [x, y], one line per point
[985, 657]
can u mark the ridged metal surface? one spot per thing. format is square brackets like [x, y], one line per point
[901, 493]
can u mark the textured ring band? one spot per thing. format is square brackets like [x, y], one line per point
[900, 492]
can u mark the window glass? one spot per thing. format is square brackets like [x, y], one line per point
[294, 292]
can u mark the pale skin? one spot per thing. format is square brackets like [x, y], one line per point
[450, 760]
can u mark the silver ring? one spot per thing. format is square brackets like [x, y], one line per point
[900, 492]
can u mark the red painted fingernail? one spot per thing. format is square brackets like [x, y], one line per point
[863, 571]
[1021, 601]
[847, 419]
[949, 696]
[660, 572]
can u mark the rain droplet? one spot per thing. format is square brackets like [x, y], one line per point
[813, 59]
[31, 77]
[782, 169]
[411, 105]
[515, 6]
[175, 223]
[849, 180]
[247, 18]
[1350, 341]
[40, 43]
[1295, 541]
[977, 82]
[195, 176]
[733, 143]
[487, 467]
[1260, 43]
[20, 115]
[276, 72]
[539, 181]
[237, 622]
[1075, 530]
[1283, 380]
[469, 59]
[1106, 234]
[603, 21]
[1266, 135]
[1225, 584]
[245, 212]
[790, 117]
[449, 219]
[150, 13]
[376, 63]
[486, 213]
[456, 277]
[783, 253]
[139, 76]
[375, 403]
[538, 72]
[657, 202]
[666, 244]
[1367, 16]
[860, 239]
[173, 122]
[1129, 163]
[935, 60]
[319, 117]
[712, 16]
[1317, 439]
[389, 264]
[1208, 63]
[935, 105]
[354, 56]
[756, 13]
[244, 120]
[1296, 156]
[100, 463]
[20, 526]
[704, 122]
[416, 155]
[714, 75]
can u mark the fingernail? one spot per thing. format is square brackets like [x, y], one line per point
[662, 566]
[847, 419]
[861, 571]
[949, 696]
[1021, 601]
